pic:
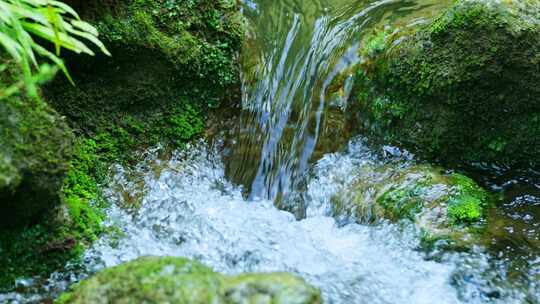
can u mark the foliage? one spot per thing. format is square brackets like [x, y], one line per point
[22, 21]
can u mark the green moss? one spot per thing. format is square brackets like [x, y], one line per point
[465, 209]
[81, 194]
[200, 37]
[185, 54]
[468, 204]
[460, 89]
[179, 280]
[259, 288]
[40, 249]
[402, 203]
[35, 148]
[184, 125]
[375, 43]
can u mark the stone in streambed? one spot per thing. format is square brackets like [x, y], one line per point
[443, 206]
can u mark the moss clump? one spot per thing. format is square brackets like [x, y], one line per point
[460, 89]
[81, 194]
[469, 202]
[199, 36]
[179, 280]
[441, 206]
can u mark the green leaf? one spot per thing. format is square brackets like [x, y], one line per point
[51, 20]
[11, 46]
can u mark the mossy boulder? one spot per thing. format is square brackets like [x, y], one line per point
[64, 224]
[35, 152]
[171, 62]
[461, 89]
[442, 206]
[179, 280]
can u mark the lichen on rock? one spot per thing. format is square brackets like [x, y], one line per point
[179, 280]
[461, 89]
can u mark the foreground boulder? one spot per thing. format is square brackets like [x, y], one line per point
[179, 280]
[35, 151]
[463, 88]
[443, 207]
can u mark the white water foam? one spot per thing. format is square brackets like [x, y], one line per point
[191, 210]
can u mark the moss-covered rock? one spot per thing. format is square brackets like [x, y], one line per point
[35, 150]
[171, 61]
[179, 280]
[463, 88]
[63, 229]
[441, 205]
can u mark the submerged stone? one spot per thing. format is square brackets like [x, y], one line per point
[463, 88]
[441, 205]
[179, 280]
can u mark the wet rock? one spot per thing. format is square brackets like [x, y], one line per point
[463, 88]
[179, 280]
[35, 150]
[442, 206]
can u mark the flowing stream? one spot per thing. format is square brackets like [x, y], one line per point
[257, 197]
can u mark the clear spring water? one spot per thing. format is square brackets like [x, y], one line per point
[192, 203]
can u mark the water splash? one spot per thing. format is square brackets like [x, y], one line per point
[186, 205]
[192, 210]
[188, 208]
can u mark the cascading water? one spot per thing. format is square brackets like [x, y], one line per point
[193, 203]
[295, 51]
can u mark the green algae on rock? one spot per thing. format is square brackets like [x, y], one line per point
[179, 280]
[463, 88]
[442, 206]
